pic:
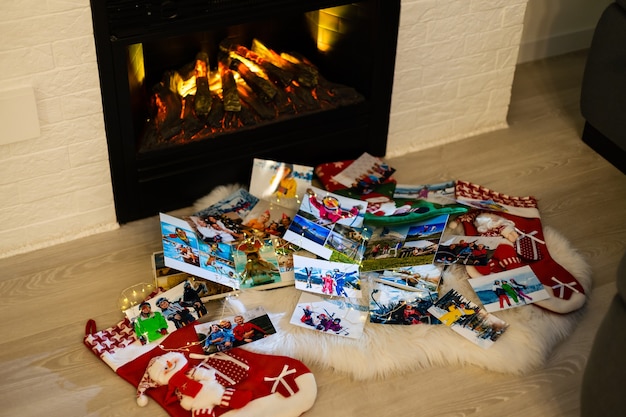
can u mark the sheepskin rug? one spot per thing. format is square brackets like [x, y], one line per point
[390, 349]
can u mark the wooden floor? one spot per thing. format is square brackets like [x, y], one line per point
[48, 295]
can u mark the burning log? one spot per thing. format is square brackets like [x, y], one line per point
[244, 117]
[333, 95]
[304, 99]
[249, 87]
[259, 106]
[264, 88]
[284, 103]
[278, 75]
[215, 117]
[229, 87]
[191, 124]
[166, 109]
[308, 75]
[203, 99]
[305, 75]
[229, 91]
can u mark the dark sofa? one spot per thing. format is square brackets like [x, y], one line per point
[603, 94]
[602, 391]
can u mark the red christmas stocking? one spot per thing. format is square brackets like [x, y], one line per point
[518, 220]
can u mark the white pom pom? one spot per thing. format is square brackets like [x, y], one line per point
[142, 400]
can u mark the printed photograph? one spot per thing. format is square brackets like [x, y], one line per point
[339, 316]
[330, 208]
[468, 319]
[181, 252]
[280, 183]
[217, 259]
[393, 305]
[330, 226]
[391, 247]
[256, 264]
[180, 242]
[440, 193]
[216, 228]
[235, 206]
[365, 173]
[326, 277]
[233, 331]
[222, 221]
[267, 220]
[467, 250]
[509, 289]
[284, 255]
[418, 277]
[165, 313]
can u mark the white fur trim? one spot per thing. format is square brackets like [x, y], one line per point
[218, 193]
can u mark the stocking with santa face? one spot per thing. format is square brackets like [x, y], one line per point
[235, 383]
[517, 220]
[186, 382]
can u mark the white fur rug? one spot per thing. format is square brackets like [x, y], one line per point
[391, 349]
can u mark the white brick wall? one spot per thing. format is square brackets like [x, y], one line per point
[454, 70]
[55, 187]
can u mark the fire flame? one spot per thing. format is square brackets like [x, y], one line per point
[249, 87]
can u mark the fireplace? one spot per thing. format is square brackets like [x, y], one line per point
[142, 45]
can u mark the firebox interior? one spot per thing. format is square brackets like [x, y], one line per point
[139, 44]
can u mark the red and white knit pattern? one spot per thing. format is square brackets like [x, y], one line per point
[111, 339]
[230, 369]
[526, 247]
[472, 191]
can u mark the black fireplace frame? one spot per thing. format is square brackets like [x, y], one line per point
[163, 180]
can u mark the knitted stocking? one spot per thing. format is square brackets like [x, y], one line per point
[517, 219]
